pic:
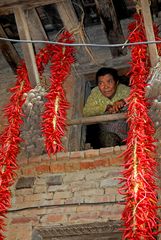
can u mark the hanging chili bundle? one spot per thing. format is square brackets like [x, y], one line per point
[9, 141]
[54, 116]
[139, 187]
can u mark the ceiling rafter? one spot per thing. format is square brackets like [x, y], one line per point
[7, 6]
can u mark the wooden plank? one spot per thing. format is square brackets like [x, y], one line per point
[7, 7]
[77, 104]
[111, 25]
[74, 93]
[74, 88]
[28, 3]
[96, 119]
[149, 32]
[36, 28]
[27, 47]
[67, 14]
[68, 140]
[71, 23]
[8, 51]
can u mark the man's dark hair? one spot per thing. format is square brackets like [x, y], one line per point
[103, 71]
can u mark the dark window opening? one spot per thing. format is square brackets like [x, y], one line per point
[9, 26]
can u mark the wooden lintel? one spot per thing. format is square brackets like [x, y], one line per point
[7, 6]
[97, 119]
[27, 48]
[8, 51]
[145, 8]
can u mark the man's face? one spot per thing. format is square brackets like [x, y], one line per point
[107, 85]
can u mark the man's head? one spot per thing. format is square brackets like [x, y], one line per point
[107, 81]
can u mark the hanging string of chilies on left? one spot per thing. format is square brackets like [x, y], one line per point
[56, 108]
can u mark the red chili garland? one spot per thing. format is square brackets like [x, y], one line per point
[10, 140]
[139, 187]
[54, 116]
[61, 59]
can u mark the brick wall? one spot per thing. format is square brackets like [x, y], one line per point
[69, 188]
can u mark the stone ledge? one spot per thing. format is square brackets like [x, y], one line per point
[96, 230]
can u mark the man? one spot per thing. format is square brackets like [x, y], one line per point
[108, 97]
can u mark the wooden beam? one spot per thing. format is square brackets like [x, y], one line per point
[7, 6]
[67, 14]
[97, 119]
[71, 23]
[8, 51]
[111, 25]
[36, 28]
[27, 48]
[149, 32]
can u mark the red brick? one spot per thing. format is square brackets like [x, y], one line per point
[42, 168]
[87, 165]
[101, 163]
[106, 151]
[62, 156]
[116, 161]
[22, 161]
[83, 217]
[57, 167]
[23, 220]
[29, 171]
[35, 159]
[77, 155]
[72, 166]
[91, 153]
[123, 147]
[117, 150]
[88, 208]
[97, 199]
[19, 199]
[56, 218]
[46, 158]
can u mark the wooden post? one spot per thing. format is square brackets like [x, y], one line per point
[27, 48]
[35, 27]
[111, 25]
[74, 85]
[67, 14]
[149, 31]
[71, 23]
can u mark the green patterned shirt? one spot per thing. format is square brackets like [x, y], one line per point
[96, 103]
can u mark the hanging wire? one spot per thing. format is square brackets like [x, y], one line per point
[80, 44]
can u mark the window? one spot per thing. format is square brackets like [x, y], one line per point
[105, 133]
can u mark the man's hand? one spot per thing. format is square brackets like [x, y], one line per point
[108, 108]
[116, 107]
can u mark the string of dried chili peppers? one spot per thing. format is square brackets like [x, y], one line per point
[9, 141]
[10, 137]
[139, 187]
[54, 116]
